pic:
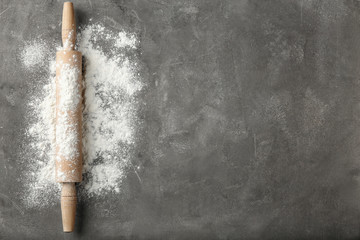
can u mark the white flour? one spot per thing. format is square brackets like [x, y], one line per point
[67, 135]
[109, 116]
[34, 54]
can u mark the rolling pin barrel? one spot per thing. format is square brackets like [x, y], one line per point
[68, 118]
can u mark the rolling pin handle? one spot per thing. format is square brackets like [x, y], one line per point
[68, 206]
[68, 30]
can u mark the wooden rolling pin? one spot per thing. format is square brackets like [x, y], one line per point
[68, 118]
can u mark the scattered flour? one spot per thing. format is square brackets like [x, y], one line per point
[111, 82]
[34, 54]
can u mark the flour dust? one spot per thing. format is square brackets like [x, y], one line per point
[112, 86]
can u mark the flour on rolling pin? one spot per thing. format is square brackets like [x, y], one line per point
[112, 84]
[66, 135]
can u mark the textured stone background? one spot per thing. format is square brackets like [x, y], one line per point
[252, 121]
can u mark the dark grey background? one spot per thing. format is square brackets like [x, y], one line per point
[251, 123]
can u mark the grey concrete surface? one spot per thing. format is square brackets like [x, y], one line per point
[252, 121]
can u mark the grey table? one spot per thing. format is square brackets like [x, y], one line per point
[259, 134]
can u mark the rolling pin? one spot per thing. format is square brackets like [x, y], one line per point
[68, 118]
